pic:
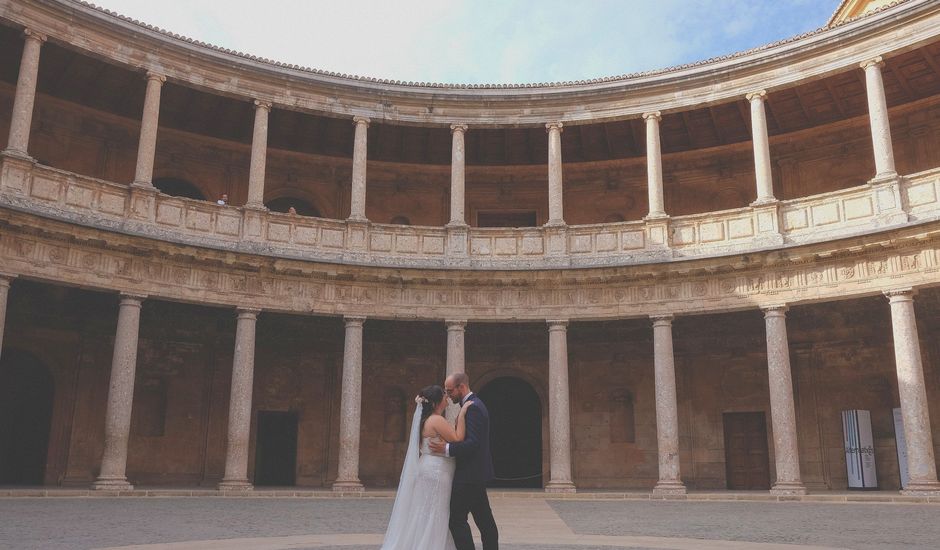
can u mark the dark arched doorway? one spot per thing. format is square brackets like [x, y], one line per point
[515, 432]
[26, 390]
[177, 187]
[284, 204]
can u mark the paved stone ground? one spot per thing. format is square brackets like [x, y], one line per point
[525, 524]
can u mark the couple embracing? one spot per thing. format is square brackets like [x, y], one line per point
[445, 474]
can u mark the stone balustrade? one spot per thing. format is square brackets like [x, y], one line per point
[74, 198]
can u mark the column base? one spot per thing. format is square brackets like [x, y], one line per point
[764, 201]
[112, 484]
[235, 485]
[928, 489]
[22, 155]
[788, 488]
[555, 223]
[560, 487]
[348, 487]
[669, 488]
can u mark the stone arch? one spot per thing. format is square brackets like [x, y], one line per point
[179, 187]
[27, 389]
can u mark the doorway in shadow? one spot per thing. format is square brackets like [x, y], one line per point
[26, 394]
[515, 432]
[276, 449]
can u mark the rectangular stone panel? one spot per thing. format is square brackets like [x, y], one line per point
[279, 232]
[111, 203]
[606, 242]
[228, 224]
[200, 221]
[858, 207]
[580, 244]
[333, 238]
[480, 246]
[684, 234]
[14, 178]
[505, 245]
[406, 243]
[795, 219]
[305, 235]
[169, 214]
[432, 245]
[632, 240]
[45, 188]
[79, 195]
[824, 214]
[381, 242]
[532, 244]
[712, 231]
[922, 193]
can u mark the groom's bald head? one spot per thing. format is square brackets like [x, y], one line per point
[456, 386]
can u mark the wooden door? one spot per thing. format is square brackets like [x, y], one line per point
[747, 463]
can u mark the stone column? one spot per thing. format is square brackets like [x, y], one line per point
[347, 478]
[762, 167]
[357, 208]
[22, 115]
[782, 412]
[559, 413]
[667, 415]
[147, 146]
[654, 166]
[555, 188]
[457, 161]
[5, 281]
[259, 155]
[117, 424]
[239, 405]
[878, 118]
[921, 467]
[455, 347]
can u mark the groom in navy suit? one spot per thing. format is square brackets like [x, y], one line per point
[474, 469]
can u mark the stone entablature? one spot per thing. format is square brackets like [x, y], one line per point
[70, 197]
[70, 254]
[837, 49]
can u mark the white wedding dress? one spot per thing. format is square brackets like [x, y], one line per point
[421, 513]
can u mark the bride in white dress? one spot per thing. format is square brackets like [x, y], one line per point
[421, 512]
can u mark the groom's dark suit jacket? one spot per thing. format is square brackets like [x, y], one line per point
[474, 463]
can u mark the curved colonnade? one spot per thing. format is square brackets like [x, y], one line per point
[876, 237]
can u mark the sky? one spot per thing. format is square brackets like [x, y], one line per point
[483, 41]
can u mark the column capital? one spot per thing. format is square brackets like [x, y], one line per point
[653, 115]
[30, 34]
[461, 128]
[354, 320]
[248, 312]
[554, 126]
[262, 104]
[759, 95]
[132, 299]
[557, 324]
[776, 310]
[455, 324]
[150, 75]
[903, 294]
[662, 320]
[362, 120]
[877, 61]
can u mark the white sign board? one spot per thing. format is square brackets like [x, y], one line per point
[902, 447]
[859, 449]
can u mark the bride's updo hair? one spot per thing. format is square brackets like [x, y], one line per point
[432, 396]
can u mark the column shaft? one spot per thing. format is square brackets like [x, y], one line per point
[555, 187]
[455, 346]
[921, 467]
[559, 413]
[357, 208]
[762, 168]
[117, 425]
[259, 155]
[347, 478]
[4, 294]
[667, 414]
[239, 406]
[878, 118]
[149, 122]
[457, 162]
[22, 116]
[782, 412]
[654, 166]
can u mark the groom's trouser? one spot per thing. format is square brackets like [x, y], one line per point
[472, 499]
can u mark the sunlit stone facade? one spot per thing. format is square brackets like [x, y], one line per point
[666, 281]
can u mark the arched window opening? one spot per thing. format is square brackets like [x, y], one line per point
[300, 206]
[400, 220]
[614, 218]
[176, 187]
